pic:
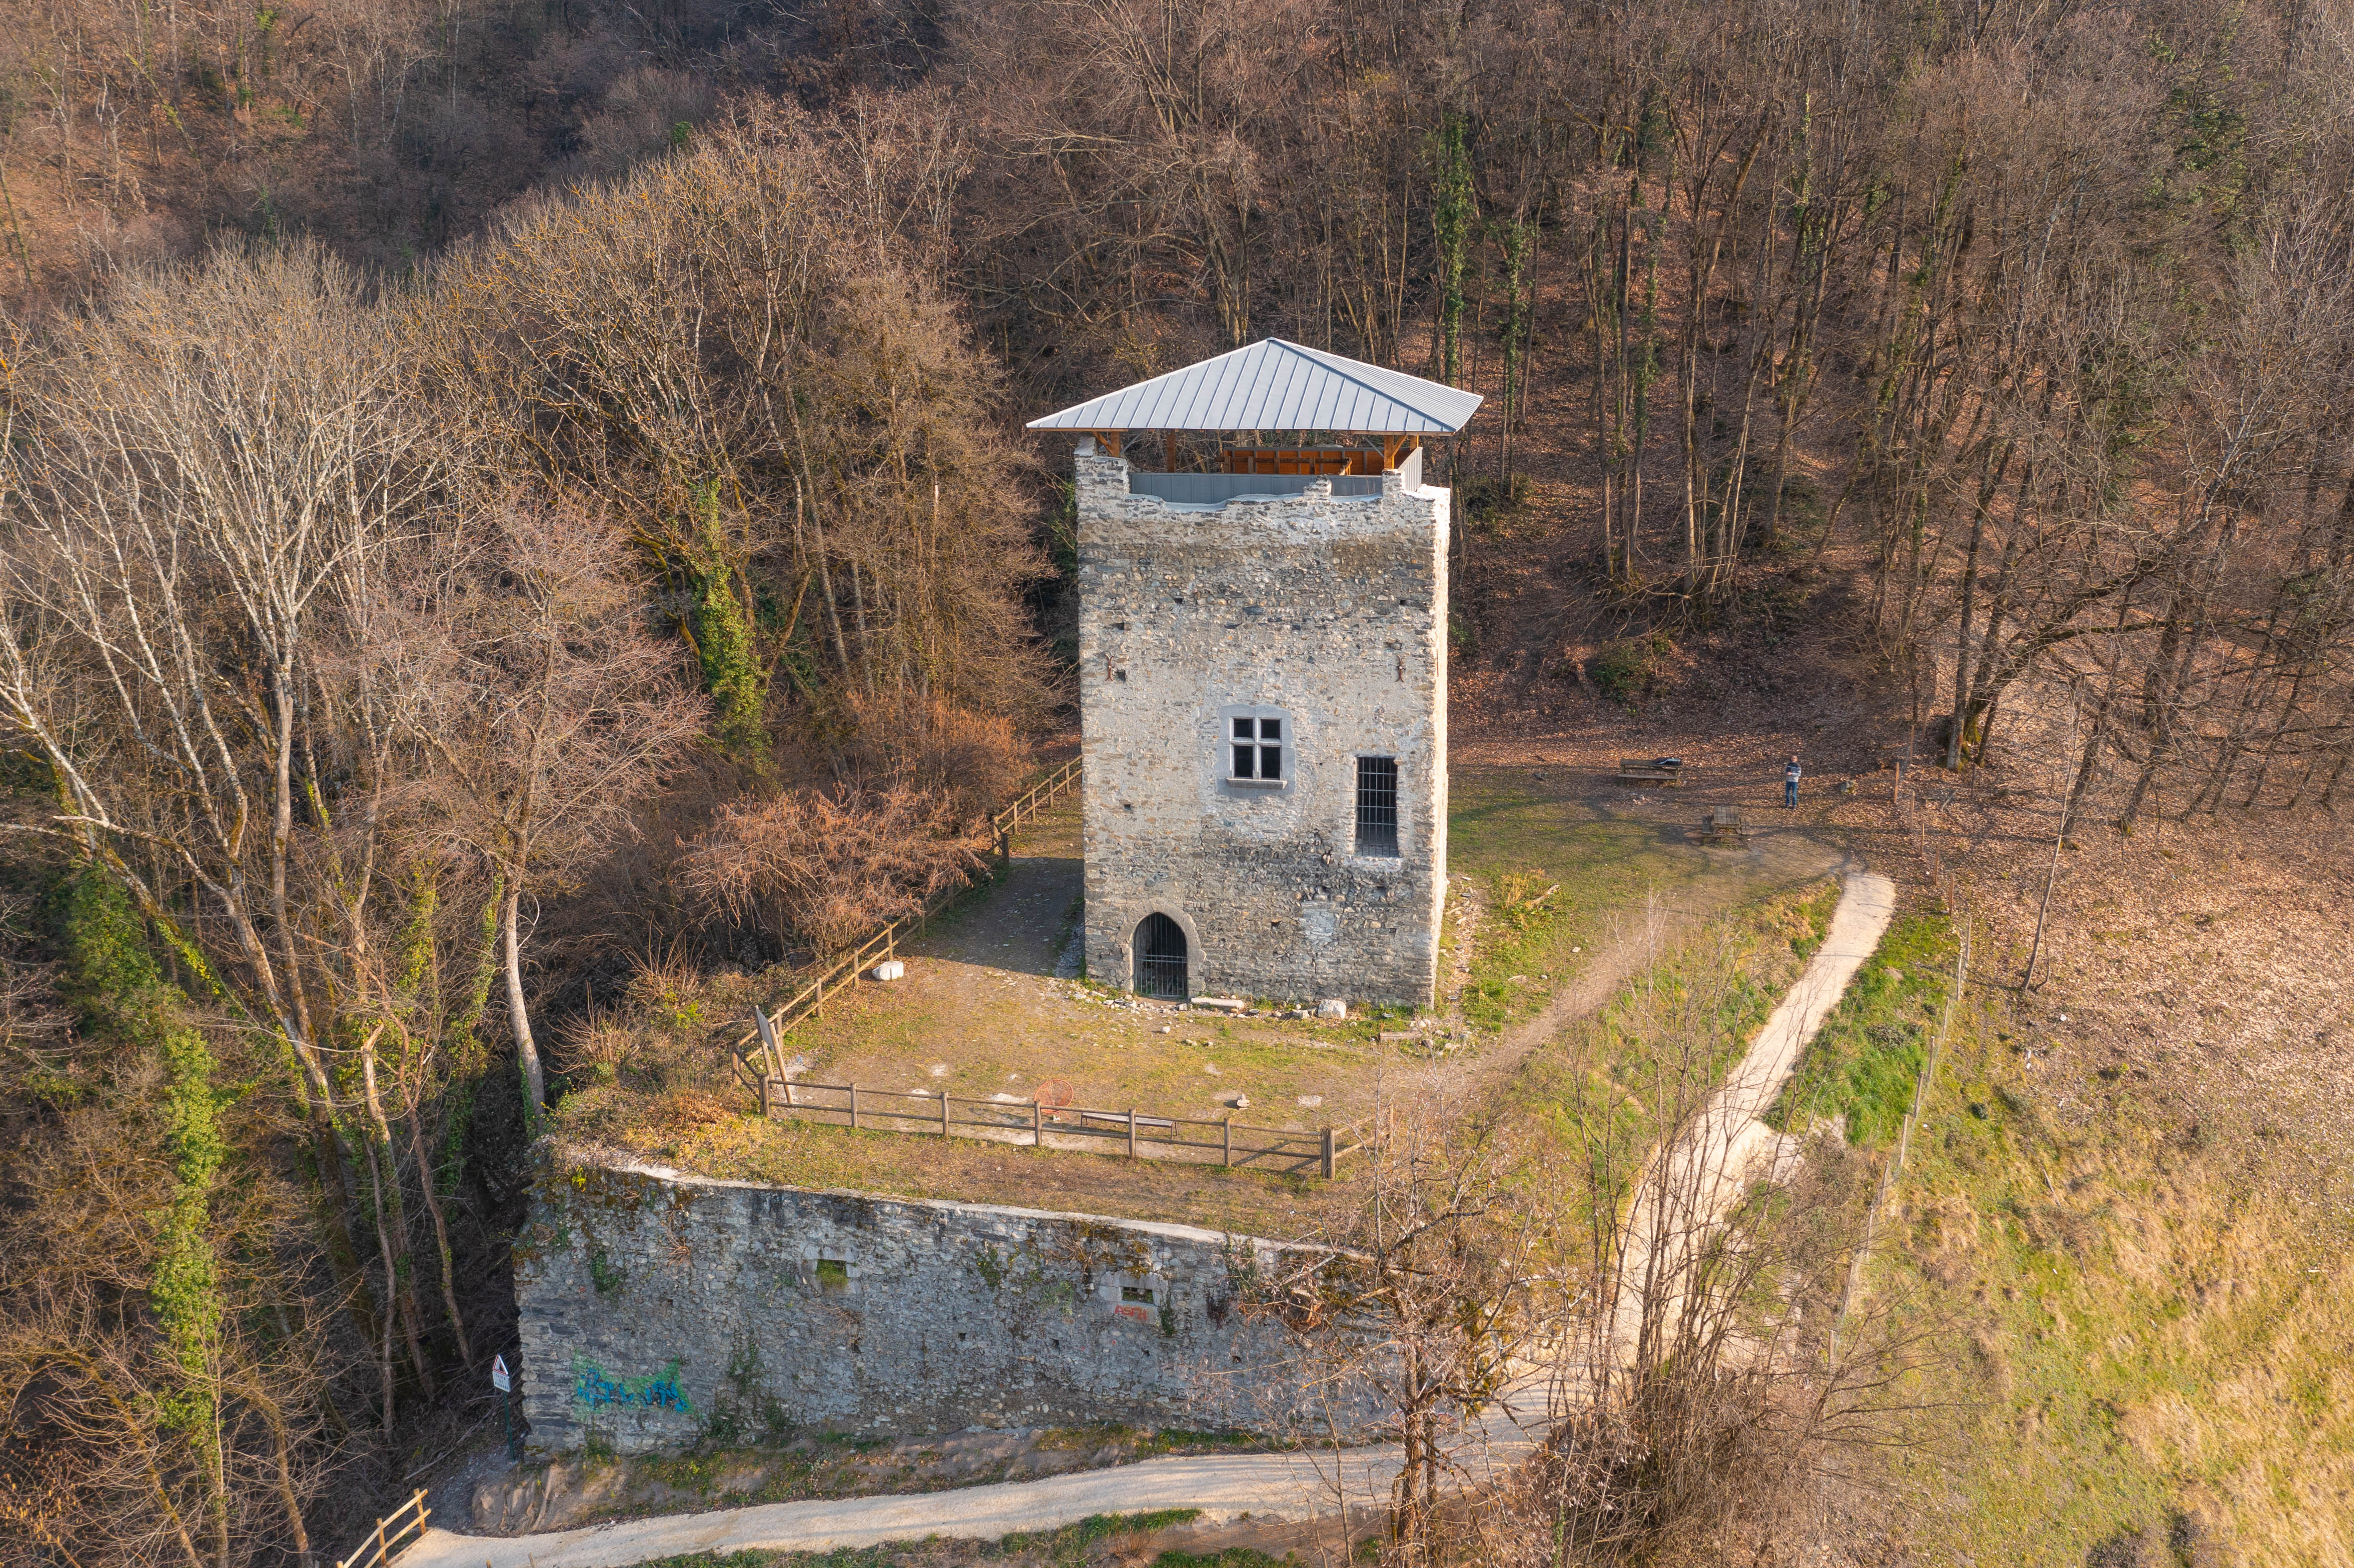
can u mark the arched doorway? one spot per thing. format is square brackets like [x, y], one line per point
[1160, 958]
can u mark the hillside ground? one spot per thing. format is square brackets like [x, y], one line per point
[2126, 1218]
[1559, 875]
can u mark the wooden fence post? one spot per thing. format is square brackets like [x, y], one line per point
[1035, 1128]
[944, 1113]
[1328, 1154]
[1131, 1132]
[854, 1106]
[1226, 1143]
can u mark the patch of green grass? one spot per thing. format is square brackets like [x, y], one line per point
[1625, 670]
[1072, 1538]
[2141, 1318]
[1863, 1062]
[1150, 1442]
[1597, 1093]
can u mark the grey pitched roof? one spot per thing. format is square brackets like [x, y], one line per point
[1276, 386]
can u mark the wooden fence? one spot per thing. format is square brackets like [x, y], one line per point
[1136, 1133]
[392, 1532]
[810, 1001]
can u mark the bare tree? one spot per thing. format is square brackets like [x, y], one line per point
[200, 476]
[1414, 1310]
[1702, 1378]
[827, 868]
[529, 675]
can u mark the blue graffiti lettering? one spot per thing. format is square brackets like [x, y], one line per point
[592, 1388]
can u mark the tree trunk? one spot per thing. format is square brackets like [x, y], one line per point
[440, 1237]
[534, 1082]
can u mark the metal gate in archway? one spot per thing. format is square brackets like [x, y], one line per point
[1160, 958]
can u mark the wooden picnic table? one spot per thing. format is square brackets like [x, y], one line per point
[1667, 772]
[1724, 824]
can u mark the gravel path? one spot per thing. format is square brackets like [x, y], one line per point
[1726, 1148]
[1275, 1487]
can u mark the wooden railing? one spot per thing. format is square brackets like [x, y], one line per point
[1137, 1134]
[391, 1532]
[883, 945]
[1040, 796]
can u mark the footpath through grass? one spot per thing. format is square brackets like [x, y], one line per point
[1551, 872]
[1598, 1095]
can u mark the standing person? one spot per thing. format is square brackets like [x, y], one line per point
[1790, 774]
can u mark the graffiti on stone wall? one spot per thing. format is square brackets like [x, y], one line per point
[657, 1391]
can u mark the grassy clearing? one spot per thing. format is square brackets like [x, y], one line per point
[1551, 872]
[979, 1016]
[1099, 1539]
[2152, 1359]
[1603, 1084]
[1860, 1067]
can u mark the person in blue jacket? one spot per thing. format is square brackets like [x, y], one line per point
[1790, 773]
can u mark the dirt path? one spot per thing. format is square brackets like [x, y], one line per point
[1273, 1489]
[1726, 1149]
[1686, 883]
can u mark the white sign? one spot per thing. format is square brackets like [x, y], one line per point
[499, 1378]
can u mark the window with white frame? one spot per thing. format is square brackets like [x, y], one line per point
[1255, 743]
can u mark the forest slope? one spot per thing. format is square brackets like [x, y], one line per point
[457, 597]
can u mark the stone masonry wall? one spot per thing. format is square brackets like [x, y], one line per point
[658, 1308]
[1332, 613]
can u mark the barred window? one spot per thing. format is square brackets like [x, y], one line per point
[1258, 749]
[1377, 806]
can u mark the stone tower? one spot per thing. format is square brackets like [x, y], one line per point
[1263, 672]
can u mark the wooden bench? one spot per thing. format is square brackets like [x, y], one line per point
[1667, 772]
[1724, 824]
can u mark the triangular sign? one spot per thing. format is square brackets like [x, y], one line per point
[499, 1378]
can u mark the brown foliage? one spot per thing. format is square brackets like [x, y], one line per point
[973, 761]
[730, 349]
[826, 868]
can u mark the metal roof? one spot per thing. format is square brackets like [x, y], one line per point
[1276, 386]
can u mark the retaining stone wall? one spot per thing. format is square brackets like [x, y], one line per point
[1332, 613]
[657, 1308]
